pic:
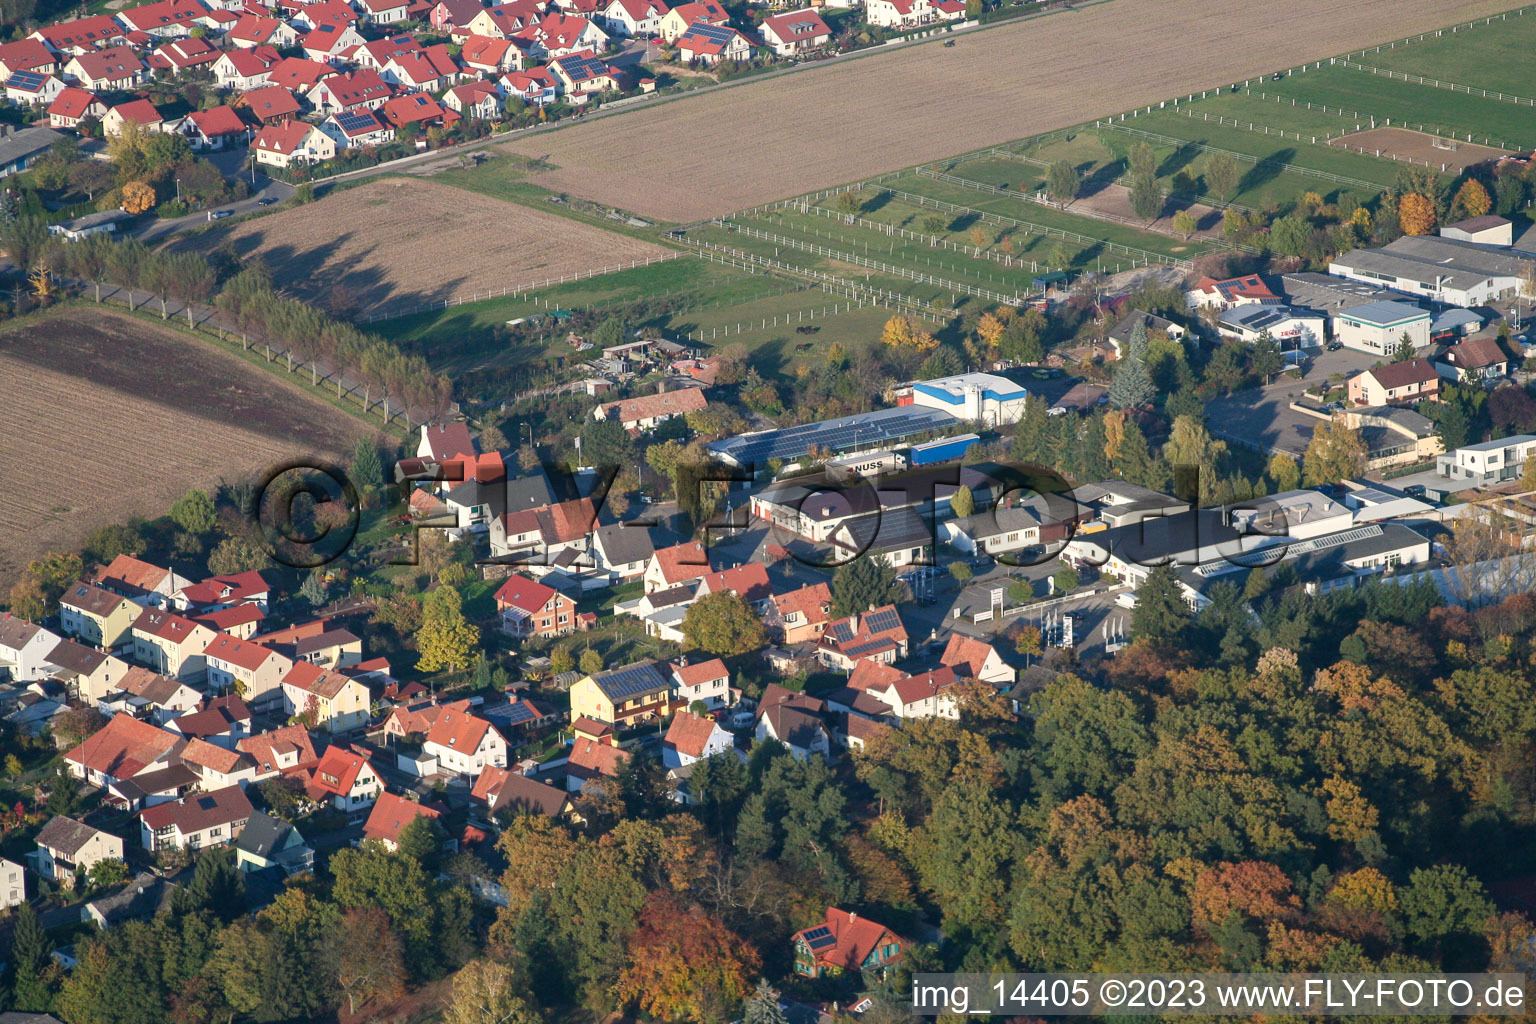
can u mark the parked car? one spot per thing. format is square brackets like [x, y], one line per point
[1414, 490]
[218, 214]
[265, 202]
[1334, 346]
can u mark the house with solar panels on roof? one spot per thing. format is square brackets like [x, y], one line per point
[355, 129]
[33, 88]
[846, 943]
[583, 75]
[710, 44]
[623, 695]
[875, 635]
[1290, 327]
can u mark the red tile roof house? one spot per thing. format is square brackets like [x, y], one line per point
[677, 21]
[374, 55]
[709, 45]
[345, 779]
[1234, 291]
[334, 701]
[140, 112]
[27, 55]
[910, 13]
[74, 105]
[140, 581]
[490, 56]
[384, 12]
[632, 17]
[121, 749]
[31, 90]
[217, 767]
[1403, 382]
[877, 635]
[846, 943]
[677, 564]
[359, 129]
[167, 18]
[464, 743]
[795, 32]
[536, 87]
[692, 738]
[257, 30]
[975, 659]
[416, 719]
[243, 70]
[250, 669]
[279, 751]
[533, 609]
[583, 75]
[478, 100]
[648, 411]
[184, 55]
[80, 36]
[800, 615]
[708, 681]
[748, 582]
[364, 88]
[102, 70]
[292, 143]
[172, 645]
[558, 34]
[928, 695]
[456, 15]
[391, 814]
[426, 71]
[589, 760]
[500, 789]
[415, 108]
[224, 591]
[196, 821]
[299, 74]
[328, 40]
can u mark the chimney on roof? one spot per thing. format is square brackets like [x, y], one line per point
[661, 386]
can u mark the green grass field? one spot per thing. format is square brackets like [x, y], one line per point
[1410, 105]
[1495, 56]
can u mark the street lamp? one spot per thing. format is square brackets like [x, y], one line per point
[178, 189]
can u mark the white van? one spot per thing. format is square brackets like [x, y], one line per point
[1126, 599]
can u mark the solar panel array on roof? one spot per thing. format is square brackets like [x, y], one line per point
[864, 430]
[517, 714]
[859, 650]
[622, 683]
[819, 938]
[31, 81]
[356, 121]
[714, 33]
[880, 621]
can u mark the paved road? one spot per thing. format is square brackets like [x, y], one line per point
[276, 191]
[1264, 416]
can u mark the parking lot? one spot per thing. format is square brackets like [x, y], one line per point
[1263, 416]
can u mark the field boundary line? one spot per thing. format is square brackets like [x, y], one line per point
[1123, 179]
[1245, 157]
[892, 231]
[1503, 97]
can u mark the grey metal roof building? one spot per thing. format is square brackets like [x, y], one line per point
[1329, 293]
[19, 149]
[630, 681]
[846, 433]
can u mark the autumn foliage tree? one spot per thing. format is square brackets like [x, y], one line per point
[1416, 214]
[903, 332]
[1472, 199]
[138, 197]
[683, 964]
[369, 957]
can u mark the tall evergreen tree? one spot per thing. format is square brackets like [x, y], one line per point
[1161, 615]
[1132, 385]
[31, 963]
[864, 583]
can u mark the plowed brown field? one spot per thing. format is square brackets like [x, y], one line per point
[398, 242]
[708, 155]
[106, 417]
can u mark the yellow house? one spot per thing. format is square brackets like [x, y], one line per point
[339, 702]
[622, 695]
[89, 673]
[255, 672]
[171, 645]
[97, 616]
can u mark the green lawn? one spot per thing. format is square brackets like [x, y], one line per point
[1495, 56]
[1421, 107]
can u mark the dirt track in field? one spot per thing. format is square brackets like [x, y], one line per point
[711, 154]
[1417, 148]
[400, 242]
[106, 417]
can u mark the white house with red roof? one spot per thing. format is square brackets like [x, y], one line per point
[390, 814]
[591, 759]
[478, 100]
[140, 112]
[357, 129]
[645, 412]
[676, 564]
[429, 70]
[1232, 291]
[299, 74]
[584, 75]
[748, 581]
[442, 441]
[330, 700]
[277, 751]
[453, 16]
[166, 18]
[676, 21]
[384, 12]
[121, 749]
[102, 70]
[243, 70]
[290, 143]
[709, 45]
[73, 105]
[795, 32]
[195, 822]
[876, 635]
[632, 17]
[911, 13]
[271, 104]
[182, 55]
[328, 40]
[415, 108]
[223, 591]
[928, 695]
[536, 87]
[464, 743]
[502, 21]
[82, 35]
[972, 658]
[707, 681]
[253, 30]
[345, 779]
[558, 34]
[142, 582]
[350, 91]
[217, 767]
[307, 16]
[32, 89]
[27, 55]
[692, 738]
[490, 56]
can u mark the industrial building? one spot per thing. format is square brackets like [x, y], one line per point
[1491, 462]
[1290, 328]
[1441, 269]
[1378, 327]
[983, 398]
[862, 432]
